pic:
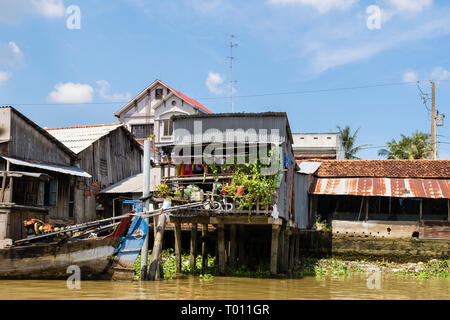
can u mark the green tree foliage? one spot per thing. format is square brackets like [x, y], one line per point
[417, 146]
[348, 140]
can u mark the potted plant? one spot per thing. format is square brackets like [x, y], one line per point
[164, 191]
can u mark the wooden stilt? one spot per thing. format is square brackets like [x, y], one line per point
[193, 256]
[291, 252]
[241, 245]
[274, 249]
[157, 247]
[233, 245]
[420, 210]
[221, 247]
[281, 248]
[177, 233]
[286, 251]
[204, 247]
[367, 209]
[297, 250]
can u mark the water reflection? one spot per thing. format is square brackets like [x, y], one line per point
[227, 288]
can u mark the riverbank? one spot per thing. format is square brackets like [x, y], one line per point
[325, 267]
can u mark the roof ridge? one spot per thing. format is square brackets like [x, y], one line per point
[86, 126]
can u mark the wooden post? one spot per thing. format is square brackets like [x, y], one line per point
[241, 245]
[448, 209]
[204, 247]
[420, 210]
[281, 248]
[221, 247]
[291, 252]
[287, 235]
[297, 250]
[177, 234]
[274, 249]
[233, 245]
[193, 256]
[157, 246]
[367, 209]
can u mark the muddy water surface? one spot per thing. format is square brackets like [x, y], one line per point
[228, 288]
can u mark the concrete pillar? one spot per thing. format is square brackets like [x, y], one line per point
[274, 249]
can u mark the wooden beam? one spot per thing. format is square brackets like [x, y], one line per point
[204, 247]
[157, 247]
[193, 255]
[233, 245]
[274, 249]
[177, 234]
[254, 220]
[297, 250]
[221, 247]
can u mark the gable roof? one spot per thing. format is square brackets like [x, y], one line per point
[385, 168]
[42, 131]
[78, 138]
[182, 96]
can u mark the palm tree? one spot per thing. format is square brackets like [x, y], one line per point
[417, 146]
[348, 141]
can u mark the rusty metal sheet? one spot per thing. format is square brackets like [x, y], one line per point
[385, 187]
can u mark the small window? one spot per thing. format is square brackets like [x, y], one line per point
[158, 94]
[167, 127]
[174, 103]
[315, 138]
[53, 193]
[329, 138]
[142, 131]
[103, 167]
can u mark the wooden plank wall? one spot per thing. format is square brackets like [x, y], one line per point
[110, 159]
[28, 143]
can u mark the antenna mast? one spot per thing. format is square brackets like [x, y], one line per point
[231, 70]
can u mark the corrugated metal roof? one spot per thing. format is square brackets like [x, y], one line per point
[78, 138]
[37, 175]
[378, 168]
[73, 171]
[132, 184]
[385, 187]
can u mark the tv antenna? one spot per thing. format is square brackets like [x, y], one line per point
[231, 57]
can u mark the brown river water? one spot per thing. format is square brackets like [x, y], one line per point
[231, 288]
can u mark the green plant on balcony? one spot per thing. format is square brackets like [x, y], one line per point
[163, 190]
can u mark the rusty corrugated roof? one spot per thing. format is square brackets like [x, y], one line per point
[387, 187]
[385, 168]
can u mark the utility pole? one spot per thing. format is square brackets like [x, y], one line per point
[433, 121]
[231, 71]
[145, 194]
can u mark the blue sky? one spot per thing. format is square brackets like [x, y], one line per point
[283, 46]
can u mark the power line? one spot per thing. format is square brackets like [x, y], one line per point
[240, 96]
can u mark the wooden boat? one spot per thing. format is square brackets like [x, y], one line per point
[37, 260]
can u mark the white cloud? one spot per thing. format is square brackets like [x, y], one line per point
[410, 5]
[323, 6]
[214, 82]
[410, 76]
[71, 93]
[49, 8]
[13, 12]
[10, 54]
[104, 89]
[3, 77]
[440, 73]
